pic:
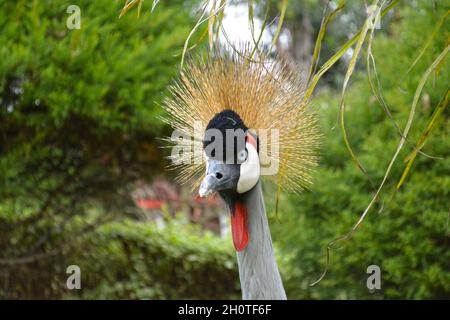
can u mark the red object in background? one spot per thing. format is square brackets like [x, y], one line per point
[153, 197]
[157, 204]
[160, 192]
[150, 203]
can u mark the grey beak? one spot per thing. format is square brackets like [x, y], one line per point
[219, 176]
[208, 186]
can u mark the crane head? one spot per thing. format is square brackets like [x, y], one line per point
[232, 168]
[231, 153]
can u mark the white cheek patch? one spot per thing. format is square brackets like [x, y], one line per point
[249, 171]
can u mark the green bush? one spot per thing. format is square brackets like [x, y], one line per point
[130, 260]
[78, 121]
[407, 232]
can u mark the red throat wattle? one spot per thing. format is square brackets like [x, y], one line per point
[239, 226]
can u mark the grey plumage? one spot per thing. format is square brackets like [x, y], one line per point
[258, 271]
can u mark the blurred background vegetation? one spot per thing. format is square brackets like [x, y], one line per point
[82, 178]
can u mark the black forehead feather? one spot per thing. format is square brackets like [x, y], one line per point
[227, 119]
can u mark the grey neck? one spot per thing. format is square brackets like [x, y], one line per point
[258, 271]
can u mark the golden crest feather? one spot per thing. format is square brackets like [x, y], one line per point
[266, 95]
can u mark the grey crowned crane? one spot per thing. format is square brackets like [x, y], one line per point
[226, 93]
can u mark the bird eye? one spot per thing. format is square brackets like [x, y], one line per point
[242, 155]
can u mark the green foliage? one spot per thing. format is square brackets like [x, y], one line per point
[133, 260]
[78, 121]
[407, 232]
[130, 260]
[304, 19]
